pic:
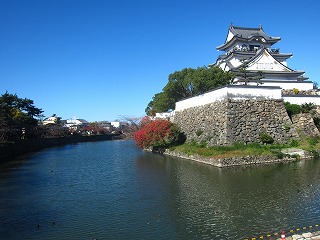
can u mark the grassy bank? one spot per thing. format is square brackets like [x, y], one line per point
[310, 144]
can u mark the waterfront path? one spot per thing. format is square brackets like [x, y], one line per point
[307, 236]
[315, 235]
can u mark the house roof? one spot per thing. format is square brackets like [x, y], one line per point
[246, 34]
[82, 120]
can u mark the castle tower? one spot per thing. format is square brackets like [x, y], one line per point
[249, 54]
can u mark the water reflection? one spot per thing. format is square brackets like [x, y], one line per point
[235, 203]
[112, 190]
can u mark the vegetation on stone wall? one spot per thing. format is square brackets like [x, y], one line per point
[293, 109]
[266, 138]
[158, 133]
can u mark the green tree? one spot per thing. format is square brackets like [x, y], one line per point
[246, 76]
[186, 83]
[15, 109]
[17, 113]
[161, 102]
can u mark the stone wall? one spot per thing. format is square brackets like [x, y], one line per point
[304, 123]
[312, 92]
[204, 123]
[228, 121]
[248, 118]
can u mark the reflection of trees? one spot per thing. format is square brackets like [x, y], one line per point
[237, 202]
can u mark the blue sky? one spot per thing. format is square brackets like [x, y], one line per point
[102, 60]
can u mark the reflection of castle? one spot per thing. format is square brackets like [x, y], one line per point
[248, 51]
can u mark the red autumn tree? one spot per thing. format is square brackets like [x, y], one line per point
[158, 133]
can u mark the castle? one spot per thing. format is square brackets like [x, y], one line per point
[254, 104]
[249, 51]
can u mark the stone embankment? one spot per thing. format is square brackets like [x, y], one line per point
[22, 146]
[229, 121]
[234, 161]
[305, 124]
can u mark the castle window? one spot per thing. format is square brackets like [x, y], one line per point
[264, 66]
[244, 47]
[268, 66]
[254, 47]
[260, 66]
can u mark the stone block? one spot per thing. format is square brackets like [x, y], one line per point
[297, 237]
[307, 235]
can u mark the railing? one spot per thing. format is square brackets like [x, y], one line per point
[237, 49]
[274, 50]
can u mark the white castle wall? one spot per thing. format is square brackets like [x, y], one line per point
[237, 92]
[164, 115]
[290, 85]
[302, 86]
[301, 99]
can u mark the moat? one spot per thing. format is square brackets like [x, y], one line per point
[113, 190]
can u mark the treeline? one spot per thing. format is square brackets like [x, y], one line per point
[18, 118]
[187, 83]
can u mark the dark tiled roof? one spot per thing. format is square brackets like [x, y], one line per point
[247, 34]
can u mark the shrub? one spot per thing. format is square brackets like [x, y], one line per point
[307, 107]
[295, 91]
[279, 154]
[296, 156]
[294, 143]
[287, 128]
[292, 109]
[315, 153]
[265, 138]
[158, 133]
[313, 141]
[202, 144]
[199, 132]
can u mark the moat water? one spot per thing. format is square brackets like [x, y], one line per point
[113, 190]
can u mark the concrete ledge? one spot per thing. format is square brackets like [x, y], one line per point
[295, 151]
[229, 162]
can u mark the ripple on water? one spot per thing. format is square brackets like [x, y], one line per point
[112, 190]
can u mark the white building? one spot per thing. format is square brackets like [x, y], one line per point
[117, 124]
[51, 120]
[248, 53]
[74, 122]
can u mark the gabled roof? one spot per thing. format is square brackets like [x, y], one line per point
[279, 68]
[246, 34]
